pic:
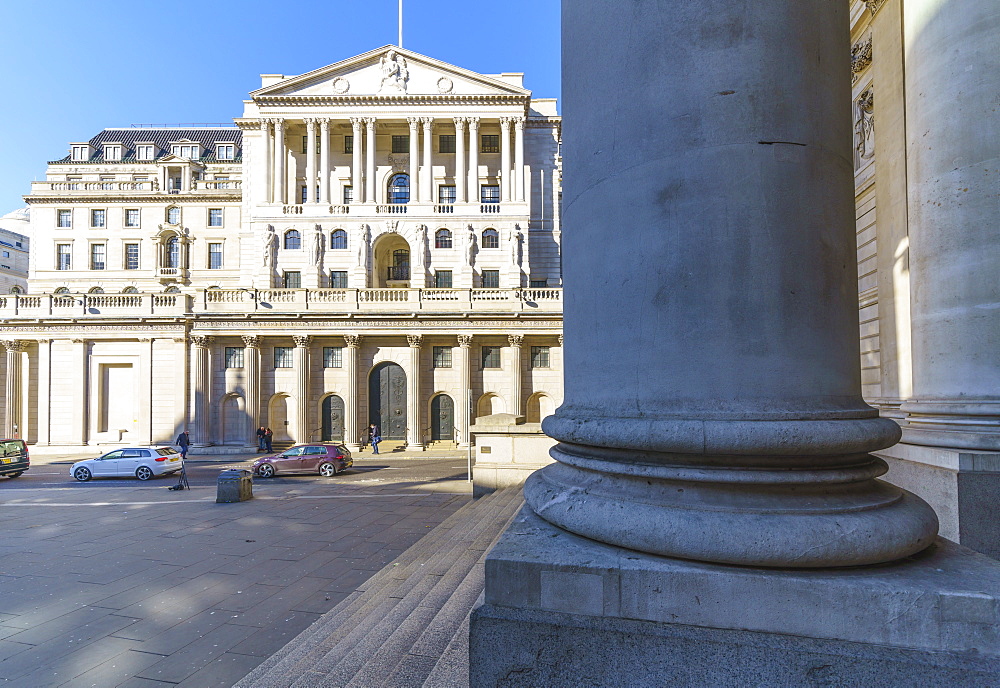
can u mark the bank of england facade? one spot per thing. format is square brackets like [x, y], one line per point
[375, 241]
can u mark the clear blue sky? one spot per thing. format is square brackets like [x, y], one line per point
[73, 68]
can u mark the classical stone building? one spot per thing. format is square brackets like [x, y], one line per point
[374, 241]
[14, 247]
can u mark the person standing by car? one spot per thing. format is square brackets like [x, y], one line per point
[268, 438]
[183, 441]
[373, 437]
[260, 438]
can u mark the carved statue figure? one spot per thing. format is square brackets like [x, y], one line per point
[270, 247]
[471, 240]
[316, 255]
[864, 126]
[517, 253]
[366, 238]
[394, 71]
[421, 245]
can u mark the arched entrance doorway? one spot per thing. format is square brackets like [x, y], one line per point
[392, 261]
[234, 422]
[280, 414]
[333, 419]
[442, 418]
[387, 400]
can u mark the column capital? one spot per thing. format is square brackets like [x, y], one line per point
[357, 122]
[203, 341]
[324, 122]
[265, 124]
[427, 122]
[460, 123]
[370, 122]
[414, 340]
[515, 340]
[301, 340]
[505, 123]
[465, 340]
[353, 340]
[279, 124]
[14, 345]
[473, 122]
[310, 122]
[414, 122]
[560, 338]
[518, 123]
[251, 341]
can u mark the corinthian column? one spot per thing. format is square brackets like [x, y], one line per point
[357, 182]
[201, 389]
[473, 175]
[414, 123]
[251, 369]
[460, 159]
[505, 123]
[265, 135]
[351, 433]
[301, 362]
[13, 421]
[370, 160]
[310, 160]
[519, 159]
[462, 420]
[324, 160]
[728, 426]
[280, 178]
[515, 341]
[414, 421]
[427, 178]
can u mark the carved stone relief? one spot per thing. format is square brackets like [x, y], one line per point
[864, 126]
[861, 57]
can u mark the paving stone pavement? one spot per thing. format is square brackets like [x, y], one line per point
[122, 583]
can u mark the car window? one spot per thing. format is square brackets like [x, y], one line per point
[133, 453]
[294, 451]
[166, 451]
[113, 455]
[11, 447]
[315, 450]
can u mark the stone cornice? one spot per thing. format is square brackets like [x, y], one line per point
[394, 100]
[236, 197]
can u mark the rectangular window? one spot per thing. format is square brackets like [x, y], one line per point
[333, 357]
[348, 195]
[225, 151]
[446, 195]
[401, 144]
[539, 284]
[97, 253]
[442, 279]
[64, 254]
[303, 194]
[489, 193]
[282, 357]
[338, 279]
[539, 357]
[349, 143]
[215, 217]
[173, 216]
[113, 153]
[64, 218]
[442, 357]
[234, 356]
[145, 152]
[305, 144]
[293, 280]
[491, 143]
[97, 218]
[81, 152]
[446, 143]
[215, 256]
[131, 256]
[491, 279]
[6, 254]
[491, 357]
[131, 217]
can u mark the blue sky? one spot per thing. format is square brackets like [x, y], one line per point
[73, 68]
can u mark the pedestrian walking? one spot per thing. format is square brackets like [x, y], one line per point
[260, 438]
[268, 437]
[184, 441]
[373, 437]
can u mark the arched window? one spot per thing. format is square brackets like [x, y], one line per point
[172, 290]
[338, 240]
[173, 215]
[399, 188]
[16, 290]
[173, 253]
[130, 290]
[491, 238]
[62, 290]
[95, 290]
[442, 238]
[293, 239]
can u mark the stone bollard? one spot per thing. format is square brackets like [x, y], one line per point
[234, 485]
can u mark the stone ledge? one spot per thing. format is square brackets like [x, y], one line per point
[943, 600]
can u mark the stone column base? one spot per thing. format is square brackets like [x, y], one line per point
[960, 484]
[567, 611]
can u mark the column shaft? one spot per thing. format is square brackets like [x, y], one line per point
[516, 405]
[415, 186]
[427, 178]
[13, 422]
[78, 434]
[464, 401]
[370, 160]
[414, 418]
[460, 175]
[310, 161]
[251, 370]
[324, 161]
[351, 431]
[303, 424]
[280, 177]
[519, 159]
[44, 391]
[265, 135]
[473, 174]
[201, 390]
[357, 171]
[505, 159]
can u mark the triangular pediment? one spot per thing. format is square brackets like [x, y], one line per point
[390, 71]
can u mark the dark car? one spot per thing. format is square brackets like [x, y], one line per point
[325, 459]
[13, 458]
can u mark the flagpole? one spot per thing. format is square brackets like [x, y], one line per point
[400, 44]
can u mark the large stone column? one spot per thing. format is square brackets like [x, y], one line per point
[414, 161]
[516, 342]
[251, 371]
[301, 362]
[80, 362]
[414, 419]
[505, 123]
[519, 159]
[13, 403]
[427, 177]
[952, 78]
[201, 390]
[462, 420]
[265, 135]
[324, 160]
[728, 424]
[44, 392]
[460, 159]
[473, 191]
[310, 160]
[351, 431]
[357, 180]
[280, 155]
[370, 159]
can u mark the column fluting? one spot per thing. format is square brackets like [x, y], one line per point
[310, 160]
[414, 418]
[357, 171]
[414, 162]
[251, 386]
[473, 173]
[460, 159]
[464, 402]
[300, 359]
[427, 171]
[280, 177]
[351, 432]
[324, 160]
[201, 389]
[370, 159]
[505, 174]
[13, 422]
[519, 159]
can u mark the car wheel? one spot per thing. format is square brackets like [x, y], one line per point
[82, 474]
[16, 475]
[144, 473]
[327, 469]
[266, 470]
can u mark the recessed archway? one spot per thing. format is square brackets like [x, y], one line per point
[391, 254]
[539, 406]
[490, 404]
[281, 418]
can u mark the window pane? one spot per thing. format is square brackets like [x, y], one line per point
[65, 218]
[293, 280]
[399, 188]
[401, 144]
[333, 356]
[97, 256]
[442, 239]
[491, 279]
[173, 253]
[349, 143]
[446, 143]
[63, 255]
[446, 195]
[491, 238]
[292, 239]
[491, 143]
[215, 256]
[234, 357]
[174, 216]
[539, 357]
[442, 357]
[490, 193]
[96, 218]
[348, 195]
[338, 279]
[215, 217]
[442, 279]
[131, 256]
[282, 357]
[491, 357]
[338, 240]
[132, 217]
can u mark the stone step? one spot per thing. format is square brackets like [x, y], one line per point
[394, 593]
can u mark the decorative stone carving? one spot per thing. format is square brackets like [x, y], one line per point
[363, 245]
[861, 57]
[421, 248]
[392, 226]
[200, 340]
[301, 340]
[353, 340]
[515, 340]
[465, 340]
[864, 125]
[560, 338]
[269, 248]
[340, 85]
[15, 345]
[414, 340]
[874, 5]
[251, 341]
[516, 251]
[445, 85]
[470, 241]
[394, 72]
[316, 254]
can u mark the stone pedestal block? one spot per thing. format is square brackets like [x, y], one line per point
[234, 485]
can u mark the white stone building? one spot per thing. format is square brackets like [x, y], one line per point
[373, 241]
[14, 247]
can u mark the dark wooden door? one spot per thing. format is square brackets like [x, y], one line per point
[333, 419]
[387, 400]
[442, 418]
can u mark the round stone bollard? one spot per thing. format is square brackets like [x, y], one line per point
[234, 485]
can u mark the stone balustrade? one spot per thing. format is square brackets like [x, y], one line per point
[96, 188]
[413, 208]
[83, 305]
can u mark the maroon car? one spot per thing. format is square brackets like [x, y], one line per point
[325, 459]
